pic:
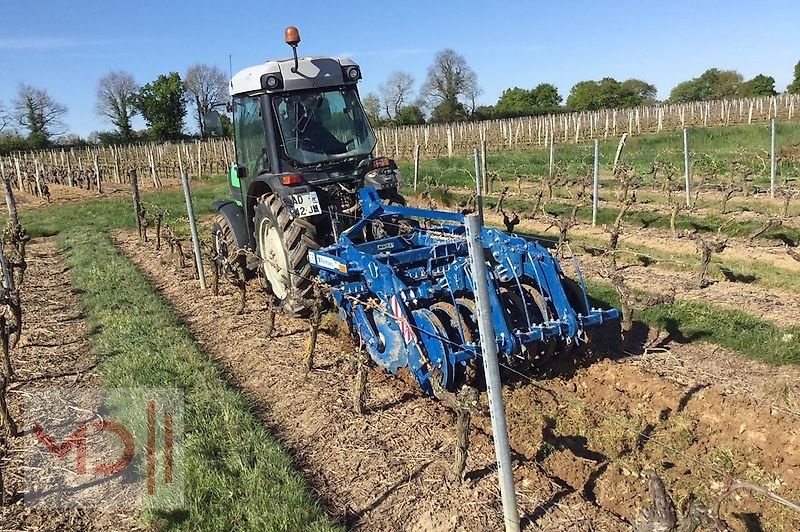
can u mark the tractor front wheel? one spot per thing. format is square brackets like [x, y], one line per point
[283, 243]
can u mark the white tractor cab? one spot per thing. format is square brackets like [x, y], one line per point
[304, 147]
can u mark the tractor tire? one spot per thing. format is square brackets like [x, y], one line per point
[228, 256]
[282, 244]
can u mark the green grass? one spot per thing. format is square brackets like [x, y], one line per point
[687, 321]
[648, 219]
[237, 474]
[718, 143]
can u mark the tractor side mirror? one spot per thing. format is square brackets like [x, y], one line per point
[241, 171]
[212, 125]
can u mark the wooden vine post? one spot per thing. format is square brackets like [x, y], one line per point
[138, 212]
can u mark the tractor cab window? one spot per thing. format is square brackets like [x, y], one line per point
[323, 126]
[250, 139]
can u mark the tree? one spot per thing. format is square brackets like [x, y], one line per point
[609, 93]
[449, 111]
[116, 93]
[522, 102]
[635, 92]
[471, 91]
[227, 126]
[372, 108]
[409, 115]
[794, 86]
[449, 79]
[163, 105]
[395, 92]
[713, 84]
[5, 118]
[36, 111]
[206, 86]
[760, 85]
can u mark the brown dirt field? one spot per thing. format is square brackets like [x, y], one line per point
[581, 436]
[53, 351]
[661, 240]
[63, 194]
[778, 306]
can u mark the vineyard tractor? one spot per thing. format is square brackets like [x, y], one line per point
[311, 202]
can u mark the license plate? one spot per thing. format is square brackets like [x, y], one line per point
[305, 204]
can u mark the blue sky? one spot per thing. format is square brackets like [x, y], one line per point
[65, 47]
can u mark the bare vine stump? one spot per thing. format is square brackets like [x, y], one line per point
[214, 277]
[615, 231]
[672, 219]
[159, 217]
[5, 416]
[314, 321]
[510, 221]
[461, 404]
[660, 515]
[630, 302]
[707, 248]
[499, 206]
[772, 222]
[181, 257]
[360, 392]
[241, 284]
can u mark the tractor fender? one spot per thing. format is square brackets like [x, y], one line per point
[284, 192]
[234, 215]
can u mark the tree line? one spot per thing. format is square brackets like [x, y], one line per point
[164, 104]
[448, 93]
[450, 89]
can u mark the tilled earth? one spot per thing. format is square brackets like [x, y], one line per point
[582, 434]
[53, 352]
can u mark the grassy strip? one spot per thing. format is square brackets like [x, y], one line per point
[104, 214]
[719, 143]
[237, 474]
[688, 321]
[640, 218]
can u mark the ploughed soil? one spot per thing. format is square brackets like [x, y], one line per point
[60, 194]
[583, 432]
[53, 352]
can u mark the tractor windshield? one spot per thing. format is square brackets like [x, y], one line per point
[324, 126]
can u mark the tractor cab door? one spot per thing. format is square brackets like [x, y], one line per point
[251, 143]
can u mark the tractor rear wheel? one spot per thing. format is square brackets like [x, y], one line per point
[282, 245]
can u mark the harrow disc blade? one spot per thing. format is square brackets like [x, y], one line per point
[435, 346]
[389, 350]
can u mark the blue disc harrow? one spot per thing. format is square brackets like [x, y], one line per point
[409, 294]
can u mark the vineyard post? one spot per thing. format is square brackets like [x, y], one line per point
[491, 368]
[484, 169]
[37, 175]
[193, 226]
[773, 167]
[416, 166]
[596, 188]
[686, 167]
[8, 279]
[97, 175]
[478, 186]
[552, 157]
[12, 205]
[137, 202]
[19, 173]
